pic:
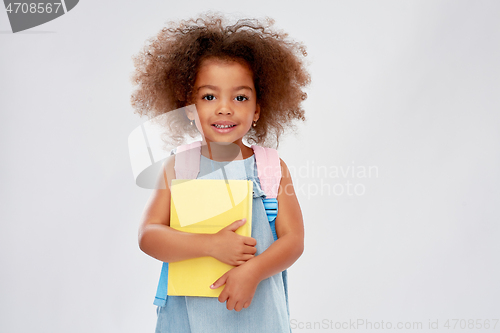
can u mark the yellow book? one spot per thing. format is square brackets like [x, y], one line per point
[206, 206]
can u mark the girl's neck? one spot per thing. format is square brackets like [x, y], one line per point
[225, 151]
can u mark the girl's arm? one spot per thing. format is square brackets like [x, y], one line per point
[158, 240]
[242, 281]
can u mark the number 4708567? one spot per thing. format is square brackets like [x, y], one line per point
[25, 7]
[471, 323]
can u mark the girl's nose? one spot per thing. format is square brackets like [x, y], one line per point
[224, 108]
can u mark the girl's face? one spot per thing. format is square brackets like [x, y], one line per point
[226, 101]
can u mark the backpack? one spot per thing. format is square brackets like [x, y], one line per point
[187, 166]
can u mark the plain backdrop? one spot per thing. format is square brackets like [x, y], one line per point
[396, 168]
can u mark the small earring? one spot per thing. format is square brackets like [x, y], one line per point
[191, 122]
[255, 123]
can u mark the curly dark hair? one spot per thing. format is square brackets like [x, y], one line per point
[166, 68]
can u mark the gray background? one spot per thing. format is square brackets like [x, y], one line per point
[410, 88]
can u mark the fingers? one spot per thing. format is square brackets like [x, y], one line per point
[246, 257]
[248, 253]
[220, 282]
[250, 241]
[223, 297]
[243, 260]
[238, 306]
[236, 224]
[230, 304]
[249, 250]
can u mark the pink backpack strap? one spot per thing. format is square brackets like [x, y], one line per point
[268, 169]
[187, 165]
[187, 161]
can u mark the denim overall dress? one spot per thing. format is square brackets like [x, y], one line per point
[268, 312]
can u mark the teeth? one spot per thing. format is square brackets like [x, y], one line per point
[223, 126]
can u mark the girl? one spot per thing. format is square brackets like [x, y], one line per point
[246, 81]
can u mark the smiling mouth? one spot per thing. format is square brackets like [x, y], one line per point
[223, 126]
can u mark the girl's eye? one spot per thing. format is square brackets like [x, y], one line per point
[241, 98]
[208, 97]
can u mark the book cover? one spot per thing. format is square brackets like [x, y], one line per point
[206, 206]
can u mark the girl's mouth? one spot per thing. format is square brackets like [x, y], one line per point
[223, 128]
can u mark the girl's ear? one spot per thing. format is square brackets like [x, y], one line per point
[190, 111]
[257, 113]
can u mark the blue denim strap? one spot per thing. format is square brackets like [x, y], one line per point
[271, 206]
[161, 291]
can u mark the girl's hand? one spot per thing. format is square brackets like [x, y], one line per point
[231, 248]
[240, 287]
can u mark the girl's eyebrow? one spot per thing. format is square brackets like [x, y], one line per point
[217, 88]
